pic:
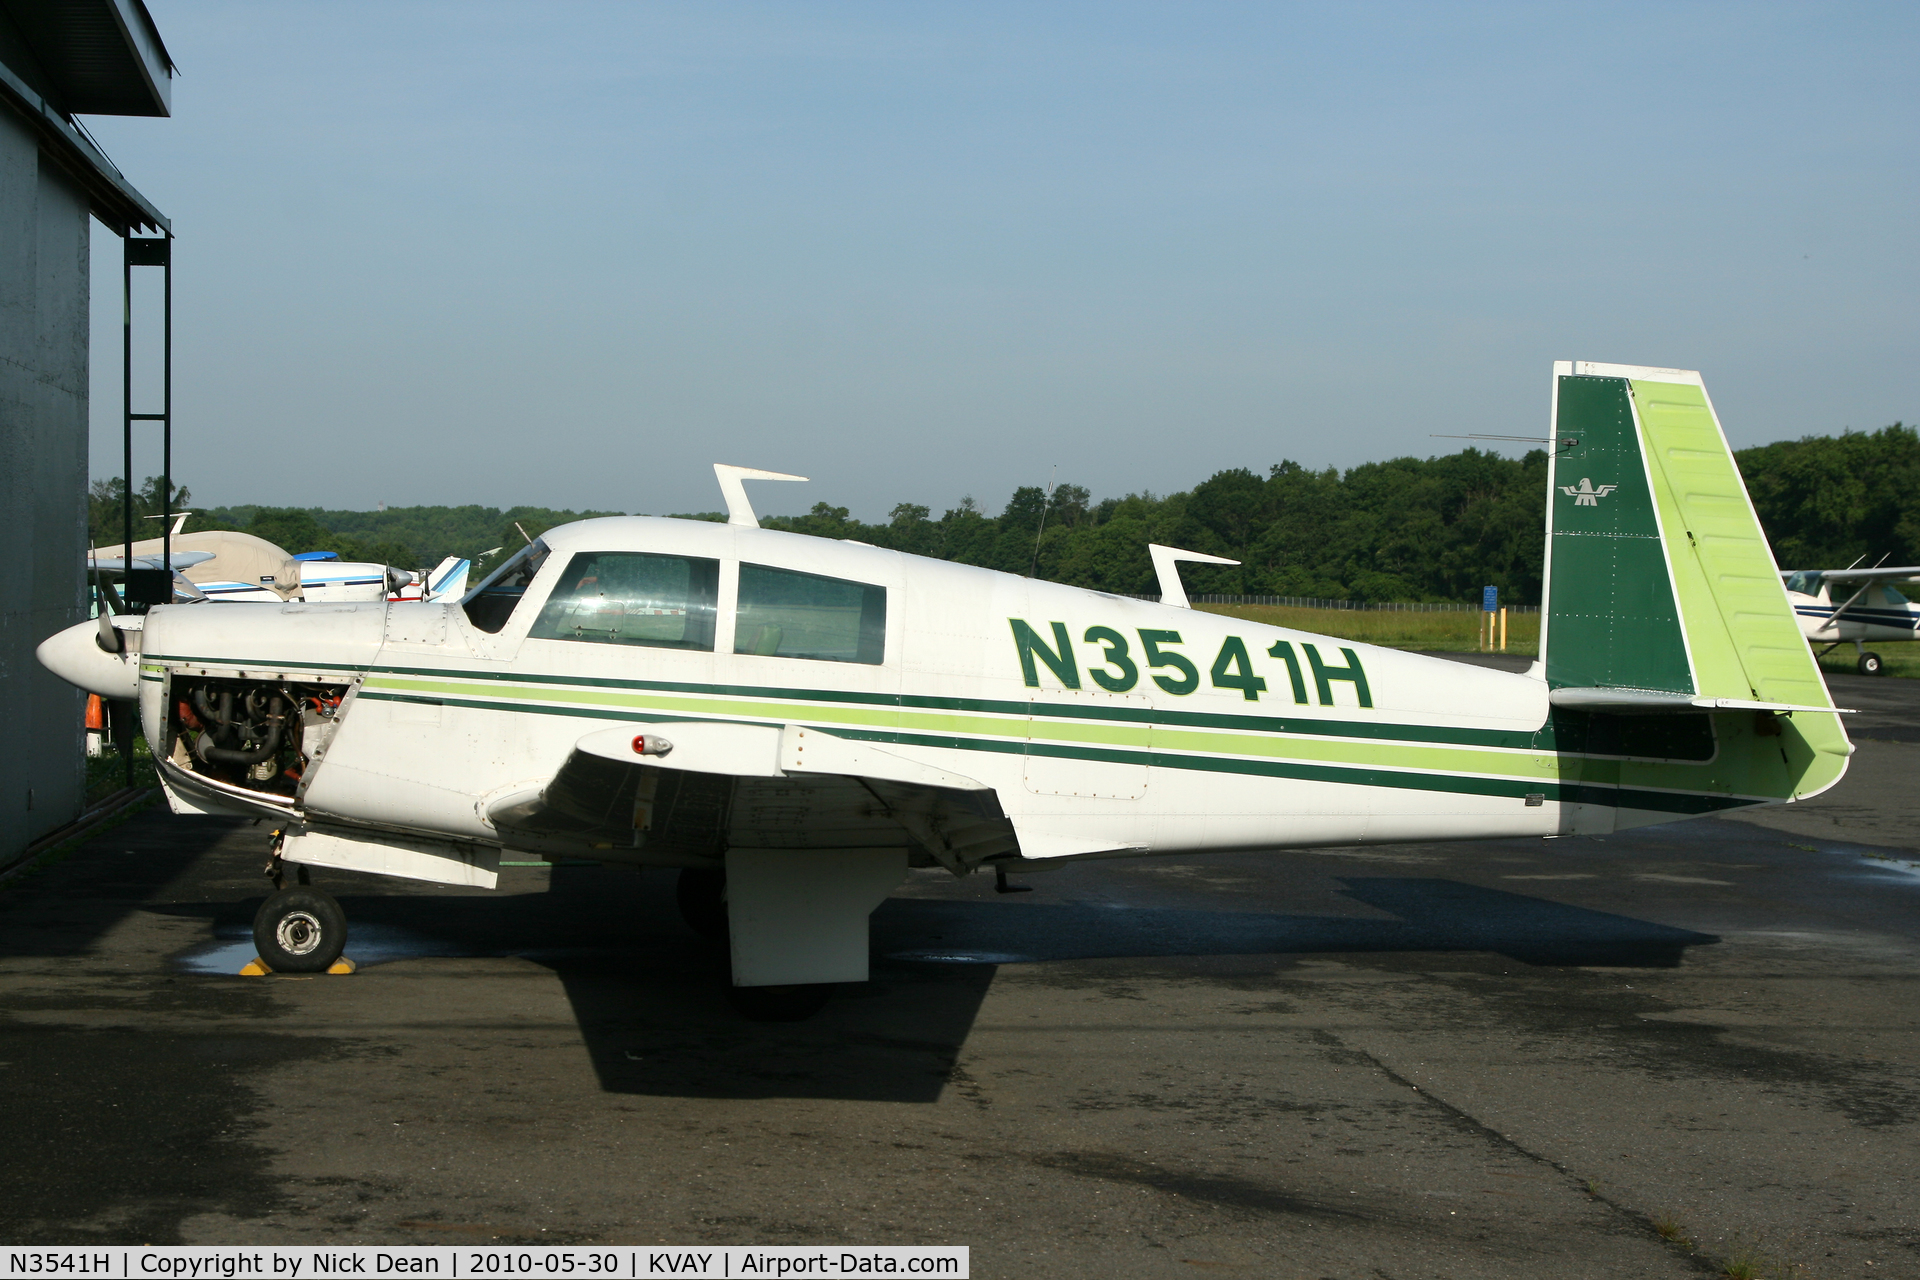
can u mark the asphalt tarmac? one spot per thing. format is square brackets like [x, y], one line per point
[1645, 1055]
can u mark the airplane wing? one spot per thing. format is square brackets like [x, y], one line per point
[1862, 575]
[118, 564]
[694, 786]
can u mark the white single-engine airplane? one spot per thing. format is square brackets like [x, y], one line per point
[1869, 609]
[227, 565]
[794, 721]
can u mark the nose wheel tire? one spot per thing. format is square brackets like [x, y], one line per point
[300, 930]
[1870, 664]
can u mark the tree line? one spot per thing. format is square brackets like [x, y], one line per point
[1408, 529]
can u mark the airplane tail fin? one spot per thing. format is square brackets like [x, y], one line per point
[448, 581]
[1661, 592]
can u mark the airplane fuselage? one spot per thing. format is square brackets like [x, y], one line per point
[1882, 614]
[1104, 725]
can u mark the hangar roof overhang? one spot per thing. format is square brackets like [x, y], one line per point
[60, 58]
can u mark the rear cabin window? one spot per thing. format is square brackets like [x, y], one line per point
[625, 597]
[785, 614]
[490, 604]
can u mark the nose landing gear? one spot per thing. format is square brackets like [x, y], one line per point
[300, 930]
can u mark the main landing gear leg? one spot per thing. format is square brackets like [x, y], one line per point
[1000, 884]
[797, 924]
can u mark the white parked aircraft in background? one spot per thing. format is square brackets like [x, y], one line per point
[324, 576]
[232, 566]
[792, 722]
[1856, 606]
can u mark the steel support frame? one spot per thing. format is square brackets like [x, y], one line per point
[145, 251]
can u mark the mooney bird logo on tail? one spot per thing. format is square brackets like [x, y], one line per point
[1586, 495]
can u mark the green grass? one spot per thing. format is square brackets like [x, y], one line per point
[1902, 658]
[1454, 633]
[107, 772]
[1672, 1232]
[1395, 629]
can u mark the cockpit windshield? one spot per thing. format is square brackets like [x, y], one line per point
[490, 604]
[1805, 583]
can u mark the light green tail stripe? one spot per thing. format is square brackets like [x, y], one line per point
[1744, 640]
[1741, 632]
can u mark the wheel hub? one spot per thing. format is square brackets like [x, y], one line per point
[298, 933]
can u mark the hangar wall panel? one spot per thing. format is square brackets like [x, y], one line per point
[44, 232]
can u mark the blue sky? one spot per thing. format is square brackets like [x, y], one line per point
[572, 254]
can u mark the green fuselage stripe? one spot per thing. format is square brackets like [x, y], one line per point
[1418, 757]
[1510, 739]
[1133, 736]
[1348, 775]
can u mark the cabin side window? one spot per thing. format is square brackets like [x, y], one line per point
[490, 604]
[1804, 583]
[786, 614]
[625, 597]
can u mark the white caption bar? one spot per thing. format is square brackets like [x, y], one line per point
[733, 1262]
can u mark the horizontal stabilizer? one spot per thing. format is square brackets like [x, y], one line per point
[1645, 701]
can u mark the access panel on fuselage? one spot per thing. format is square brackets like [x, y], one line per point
[1088, 743]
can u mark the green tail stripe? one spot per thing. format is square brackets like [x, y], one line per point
[1611, 615]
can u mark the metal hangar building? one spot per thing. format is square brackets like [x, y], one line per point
[59, 59]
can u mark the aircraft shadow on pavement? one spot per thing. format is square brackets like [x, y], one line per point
[1431, 915]
[65, 908]
[657, 1022]
[650, 997]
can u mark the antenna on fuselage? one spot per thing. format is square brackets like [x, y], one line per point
[739, 510]
[1034, 567]
[1166, 567]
